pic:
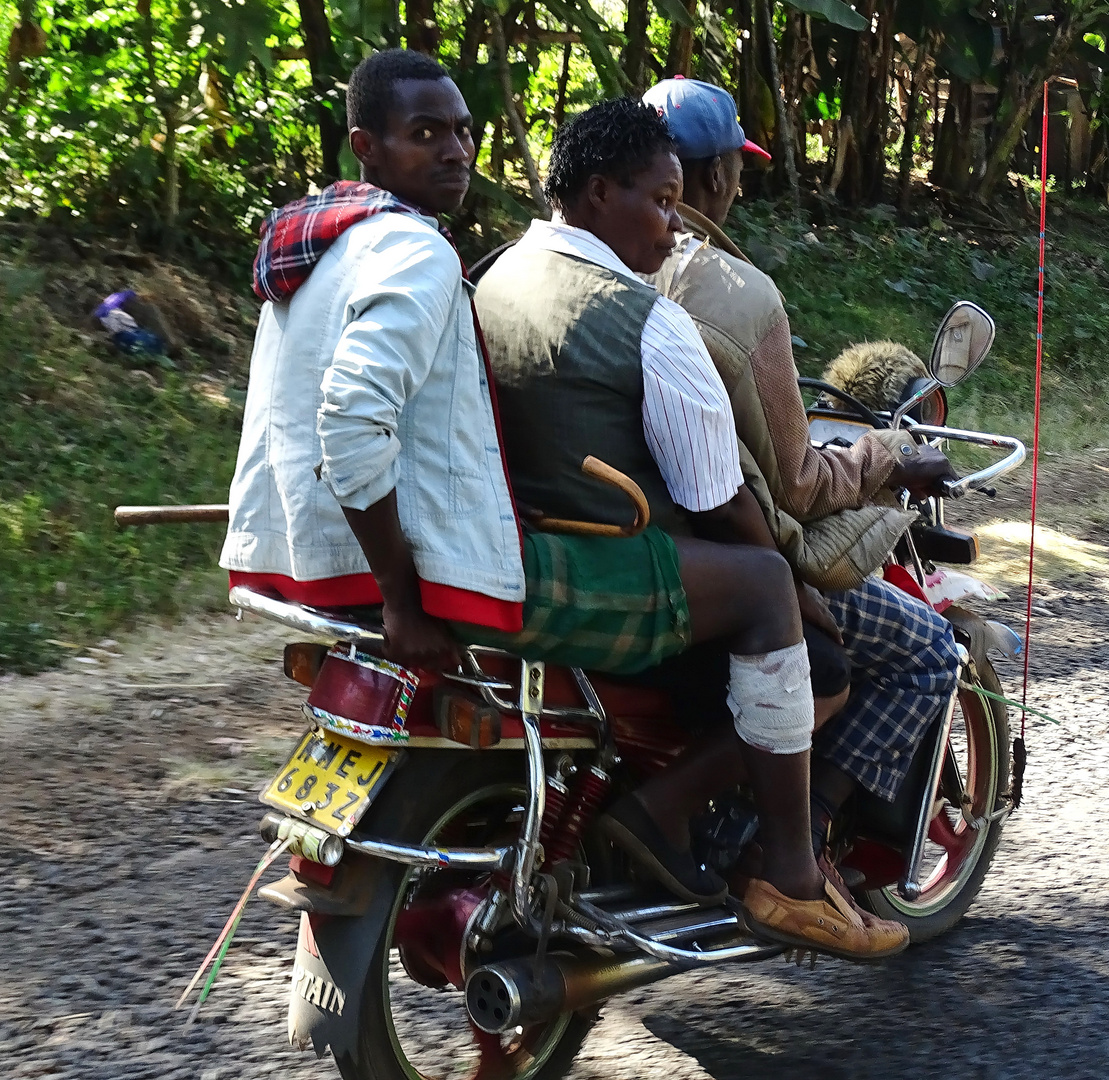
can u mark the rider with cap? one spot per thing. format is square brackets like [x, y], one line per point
[903, 654]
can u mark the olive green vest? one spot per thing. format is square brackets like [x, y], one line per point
[564, 342]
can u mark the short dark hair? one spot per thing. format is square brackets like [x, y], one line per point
[618, 138]
[370, 91]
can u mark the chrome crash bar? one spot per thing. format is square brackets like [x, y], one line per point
[307, 619]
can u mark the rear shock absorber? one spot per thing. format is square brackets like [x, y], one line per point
[590, 788]
[557, 792]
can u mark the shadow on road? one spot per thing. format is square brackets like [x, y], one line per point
[998, 998]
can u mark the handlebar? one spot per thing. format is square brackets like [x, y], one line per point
[956, 489]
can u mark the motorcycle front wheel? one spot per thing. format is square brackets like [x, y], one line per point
[966, 826]
[409, 1030]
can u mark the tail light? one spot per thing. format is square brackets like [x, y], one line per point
[464, 720]
[303, 661]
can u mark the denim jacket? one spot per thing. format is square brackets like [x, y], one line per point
[370, 378]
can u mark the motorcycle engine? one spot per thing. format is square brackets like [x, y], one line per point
[719, 836]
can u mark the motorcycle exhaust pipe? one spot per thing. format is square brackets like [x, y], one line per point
[518, 993]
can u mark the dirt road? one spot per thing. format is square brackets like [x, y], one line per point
[127, 797]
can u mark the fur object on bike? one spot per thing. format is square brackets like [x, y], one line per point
[876, 372]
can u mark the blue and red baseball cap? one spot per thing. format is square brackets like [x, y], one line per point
[702, 118]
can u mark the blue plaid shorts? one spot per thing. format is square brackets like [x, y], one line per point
[903, 660]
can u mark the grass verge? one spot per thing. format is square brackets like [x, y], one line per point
[867, 277]
[81, 432]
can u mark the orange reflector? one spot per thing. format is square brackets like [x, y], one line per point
[463, 720]
[303, 661]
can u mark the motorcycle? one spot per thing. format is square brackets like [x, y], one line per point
[461, 915]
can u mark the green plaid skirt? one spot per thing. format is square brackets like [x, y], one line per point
[610, 604]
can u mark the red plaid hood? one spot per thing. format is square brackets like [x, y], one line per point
[295, 236]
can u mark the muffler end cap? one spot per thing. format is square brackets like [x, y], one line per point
[493, 1000]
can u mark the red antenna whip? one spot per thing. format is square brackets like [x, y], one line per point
[1019, 752]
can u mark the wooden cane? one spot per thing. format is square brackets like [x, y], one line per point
[591, 466]
[598, 470]
[170, 515]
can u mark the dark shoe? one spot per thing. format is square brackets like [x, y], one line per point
[629, 827]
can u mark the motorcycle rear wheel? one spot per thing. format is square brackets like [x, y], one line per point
[409, 1031]
[958, 856]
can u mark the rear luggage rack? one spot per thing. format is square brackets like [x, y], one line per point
[326, 625]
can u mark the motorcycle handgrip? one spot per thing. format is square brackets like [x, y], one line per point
[167, 515]
[955, 489]
[597, 469]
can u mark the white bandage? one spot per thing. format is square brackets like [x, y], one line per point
[771, 699]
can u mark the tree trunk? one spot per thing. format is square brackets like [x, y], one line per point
[951, 161]
[421, 34]
[473, 30]
[796, 49]
[1001, 152]
[921, 66]
[634, 60]
[496, 150]
[783, 129]
[846, 171]
[756, 105]
[1018, 101]
[519, 133]
[171, 116]
[679, 58]
[563, 82]
[857, 171]
[323, 62]
[877, 105]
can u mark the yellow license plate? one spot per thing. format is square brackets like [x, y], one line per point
[330, 780]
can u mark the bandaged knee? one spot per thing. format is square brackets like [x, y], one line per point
[771, 699]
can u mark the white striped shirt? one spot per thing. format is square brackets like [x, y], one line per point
[687, 416]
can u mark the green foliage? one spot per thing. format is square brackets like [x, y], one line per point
[835, 11]
[119, 101]
[178, 124]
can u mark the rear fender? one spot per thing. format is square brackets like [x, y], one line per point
[333, 956]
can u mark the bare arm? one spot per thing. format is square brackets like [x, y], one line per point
[738, 521]
[741, 521]
[413, 637]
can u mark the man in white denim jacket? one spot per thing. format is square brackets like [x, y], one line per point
[452, 496]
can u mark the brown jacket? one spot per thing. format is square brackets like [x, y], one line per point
[740, 316]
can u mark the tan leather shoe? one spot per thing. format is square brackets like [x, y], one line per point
[888, 927]
[828, 925]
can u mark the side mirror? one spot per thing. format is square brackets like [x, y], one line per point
[962, 342]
